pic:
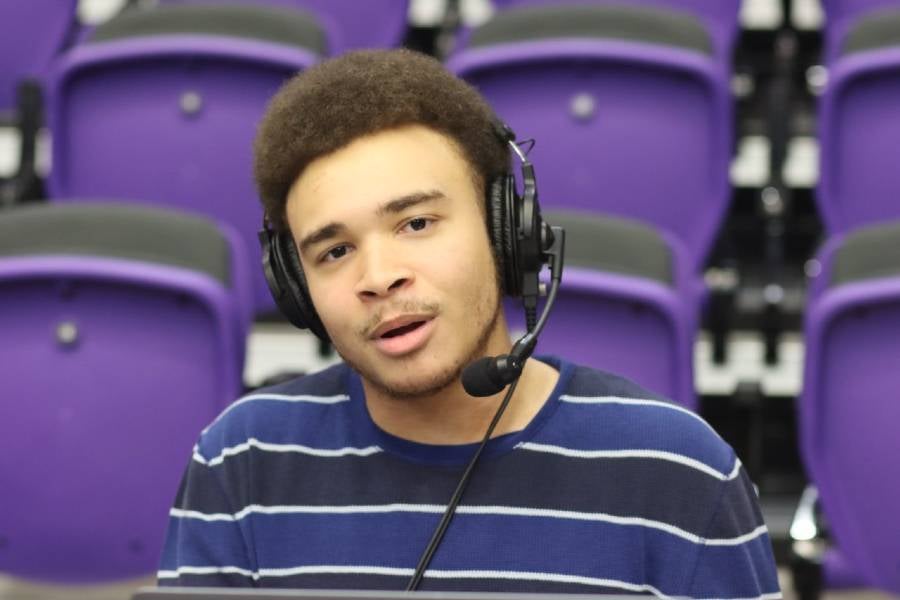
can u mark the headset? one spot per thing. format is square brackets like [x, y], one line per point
[522, 243]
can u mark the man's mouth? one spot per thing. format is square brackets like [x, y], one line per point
[403, 329]
[403, 335]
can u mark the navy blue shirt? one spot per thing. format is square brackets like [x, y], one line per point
[608, 489]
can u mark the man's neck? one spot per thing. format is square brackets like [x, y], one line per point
[451, 416]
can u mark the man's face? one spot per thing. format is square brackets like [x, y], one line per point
[396, 255]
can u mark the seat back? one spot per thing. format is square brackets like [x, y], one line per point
[719, 16]
[162, 107]
[625, 304]
[859, 128]
[31, 34]
[849, 409]
[122, 338]
[636, 126]
[351, 24]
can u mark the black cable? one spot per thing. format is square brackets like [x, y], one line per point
[520, 352]
[438, 534]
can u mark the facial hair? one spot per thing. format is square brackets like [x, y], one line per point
[416, 387]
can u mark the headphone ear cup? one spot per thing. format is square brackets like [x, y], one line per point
[297, 289]
[284, 275]
[503, 239]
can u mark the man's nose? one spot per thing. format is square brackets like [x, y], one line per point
[384, 273]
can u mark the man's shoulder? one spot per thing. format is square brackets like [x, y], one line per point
[267, 411]
[329, 381]
[613, 412]
[588, 381]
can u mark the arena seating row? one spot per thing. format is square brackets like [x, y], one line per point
[632, 112]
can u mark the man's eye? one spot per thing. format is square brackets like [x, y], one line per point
[335, 253]
[419, 223]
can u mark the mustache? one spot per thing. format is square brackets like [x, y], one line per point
[401, 307]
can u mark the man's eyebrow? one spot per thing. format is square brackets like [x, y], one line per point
[398, 205]
[320, 235]
[404, 202]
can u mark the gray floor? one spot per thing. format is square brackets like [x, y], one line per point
[11, 589]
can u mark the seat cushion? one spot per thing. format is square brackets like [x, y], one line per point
[123, 231]
[615, 245]
[292, 27]
[868, 253]
[875, 30]
[632, 23]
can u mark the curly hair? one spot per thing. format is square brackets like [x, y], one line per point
[324, 108]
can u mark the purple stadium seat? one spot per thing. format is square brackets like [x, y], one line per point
[719, 16]
[630, 109]
[627, 304]
[859, 127]
[848, 411]
[31, 34]
[161, 106]
[123, 335]
[351, 24]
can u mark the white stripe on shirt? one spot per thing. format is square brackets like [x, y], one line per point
[432, 573]
[296, 448]
[633, 402]
[635, 453]
[312, 399]
[513, 511]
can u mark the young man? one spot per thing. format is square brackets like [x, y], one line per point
[378, 163]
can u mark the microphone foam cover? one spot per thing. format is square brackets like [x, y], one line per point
[482, 377]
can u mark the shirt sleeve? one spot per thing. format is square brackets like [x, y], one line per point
[735, 559]
[207, 542]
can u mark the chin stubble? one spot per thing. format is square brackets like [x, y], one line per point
[439, 381]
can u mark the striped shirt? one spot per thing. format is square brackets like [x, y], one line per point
[609, 489]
